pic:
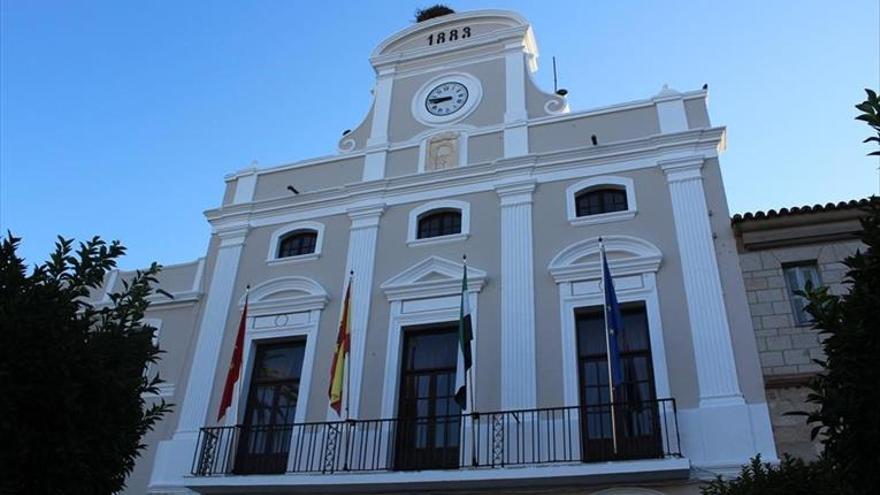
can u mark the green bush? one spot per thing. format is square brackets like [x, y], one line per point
[791, 477]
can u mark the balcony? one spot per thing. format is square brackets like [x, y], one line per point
[479, 445]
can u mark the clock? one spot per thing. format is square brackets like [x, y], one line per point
[446, 98]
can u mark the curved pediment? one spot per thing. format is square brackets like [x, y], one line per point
[432, 277]
[289, 293]
[482, 26]
[626, 256]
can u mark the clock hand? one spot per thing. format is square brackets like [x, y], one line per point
[438, 100]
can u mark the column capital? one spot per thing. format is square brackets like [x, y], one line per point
[682, 168]
[232, 234]
[516, 192]
[365, 216]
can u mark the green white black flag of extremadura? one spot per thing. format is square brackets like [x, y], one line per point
[465, 336]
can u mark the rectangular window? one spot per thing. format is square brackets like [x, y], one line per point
[636, 412]
[429, 419]
[797, 276]
[264, 442]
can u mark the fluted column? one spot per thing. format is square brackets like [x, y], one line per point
[713, 349]
[518, 370]
[361, 259]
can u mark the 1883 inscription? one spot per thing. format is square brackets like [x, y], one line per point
[451, 35]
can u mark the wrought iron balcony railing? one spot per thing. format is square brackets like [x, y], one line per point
[644, 430]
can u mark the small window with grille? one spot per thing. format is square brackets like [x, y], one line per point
[297, 243]
[602, 199]
[438, 223]
[797, 277]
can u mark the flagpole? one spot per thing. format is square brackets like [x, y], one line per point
[347, 356]
[469, 381]
[247, 291]
[602, 260]
[346, 366]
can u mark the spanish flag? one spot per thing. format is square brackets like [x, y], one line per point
[343, 344]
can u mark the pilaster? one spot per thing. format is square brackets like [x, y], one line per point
[713, 349]
[361, 259]
[374, 161]
[516, 131]
[518, 380]
[174, 457]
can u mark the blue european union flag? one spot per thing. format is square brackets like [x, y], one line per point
[613, 323]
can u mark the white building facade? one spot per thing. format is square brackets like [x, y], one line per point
[461, 153]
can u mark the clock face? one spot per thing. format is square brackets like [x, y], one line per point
[446, 99]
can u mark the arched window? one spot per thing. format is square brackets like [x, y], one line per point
[297, 243]
[602, 199]
[436, 223]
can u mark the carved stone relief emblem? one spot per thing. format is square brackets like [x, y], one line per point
[442, 152]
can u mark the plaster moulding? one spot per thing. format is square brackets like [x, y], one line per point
[627, 256]
[432, 277]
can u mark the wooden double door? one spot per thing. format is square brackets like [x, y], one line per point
[636, 409]
[428, 426]
[264, 437]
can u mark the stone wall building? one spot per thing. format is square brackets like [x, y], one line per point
[779, 252]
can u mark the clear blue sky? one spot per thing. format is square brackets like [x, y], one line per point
[121, 118]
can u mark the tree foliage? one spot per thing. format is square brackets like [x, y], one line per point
[792, 476]
[870, 109]
[847, 391]
[72, 375]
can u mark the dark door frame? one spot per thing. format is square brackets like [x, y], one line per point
[407, 456]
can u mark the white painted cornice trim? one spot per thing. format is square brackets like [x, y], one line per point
[550, 119]
[409, 284]
[180, 297]
[640, 256]
[321, 203]
[157, 300]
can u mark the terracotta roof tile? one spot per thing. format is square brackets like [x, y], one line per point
[802, 210]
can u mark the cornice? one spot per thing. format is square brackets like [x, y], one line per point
[416, 140]
[337, 200]
[160, 301]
